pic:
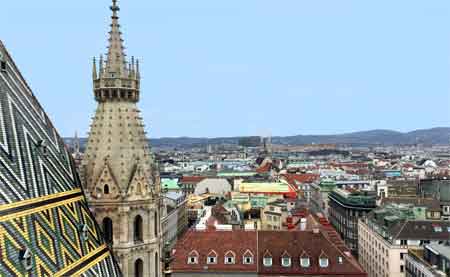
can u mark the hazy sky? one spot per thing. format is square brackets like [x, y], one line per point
[245, 67]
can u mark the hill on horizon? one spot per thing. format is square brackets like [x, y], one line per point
[434, 136]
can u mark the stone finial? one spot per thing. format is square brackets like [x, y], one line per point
[94, 69]
[115, 64]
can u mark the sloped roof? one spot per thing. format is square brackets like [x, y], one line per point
[431, 203]
[421, 230]
[263, 244]
[296, 243]
[295, 179]
[221, 242]
[169, 184]
[191, 179]
[268, 187]
[43, 210]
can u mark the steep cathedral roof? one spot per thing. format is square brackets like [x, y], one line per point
[46, 227]
[117, 154]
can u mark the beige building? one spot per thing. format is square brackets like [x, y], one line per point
[119, 175]
[386, 235]
[378, 256]
[273, 215]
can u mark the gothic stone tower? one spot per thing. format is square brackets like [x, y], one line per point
[119, 174]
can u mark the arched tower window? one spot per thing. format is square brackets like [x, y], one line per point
[156, 264]
[139, 268]
[106, 189]
[155, 223]
[138, 236]
[108, 230]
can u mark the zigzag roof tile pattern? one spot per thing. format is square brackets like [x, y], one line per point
[46, 227]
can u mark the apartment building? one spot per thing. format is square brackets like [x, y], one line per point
[386, 235]
[346, 207]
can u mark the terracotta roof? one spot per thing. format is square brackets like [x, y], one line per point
[294, 179]
[275, 244]
[297, 244]
[221, 242]
[191, 179]
[264, 168]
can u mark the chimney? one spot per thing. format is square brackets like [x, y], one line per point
[315, 230]
[302, 224]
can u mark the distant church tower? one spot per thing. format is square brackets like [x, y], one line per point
[120, 176]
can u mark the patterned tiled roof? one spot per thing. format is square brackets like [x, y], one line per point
[46, 227]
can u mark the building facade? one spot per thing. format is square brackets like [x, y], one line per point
[345, 208]
[432, 261]
[386, 234]
[438, 189]
[119, 174]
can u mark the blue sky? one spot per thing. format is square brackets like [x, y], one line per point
[253, 67]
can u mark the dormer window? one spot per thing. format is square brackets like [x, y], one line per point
[323, 262]
[212, 257]
[25, 257]
[192, 260]
[84, 232]
[2, 63]
[304, 262]
[286, 259]
[267, 259]
[247, 258]
[229, 258]
[193, 257]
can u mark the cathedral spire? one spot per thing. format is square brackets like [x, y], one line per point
[117, 79]
[115, 64]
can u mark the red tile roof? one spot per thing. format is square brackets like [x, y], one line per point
[294, 179]
[298, 243]
[277, 243]
[265, 168]
[221, 242]
[191, 179]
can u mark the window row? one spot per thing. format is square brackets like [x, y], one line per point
[229, 257]
[304, 262]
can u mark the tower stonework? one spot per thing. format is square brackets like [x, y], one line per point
[119, 174]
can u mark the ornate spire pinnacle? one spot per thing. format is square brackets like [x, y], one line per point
[138, 71]
[100, 66]
[117, 78]
[115, 64]
[94, 69]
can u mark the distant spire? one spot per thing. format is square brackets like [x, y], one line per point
[76, 146]
[116, 54]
